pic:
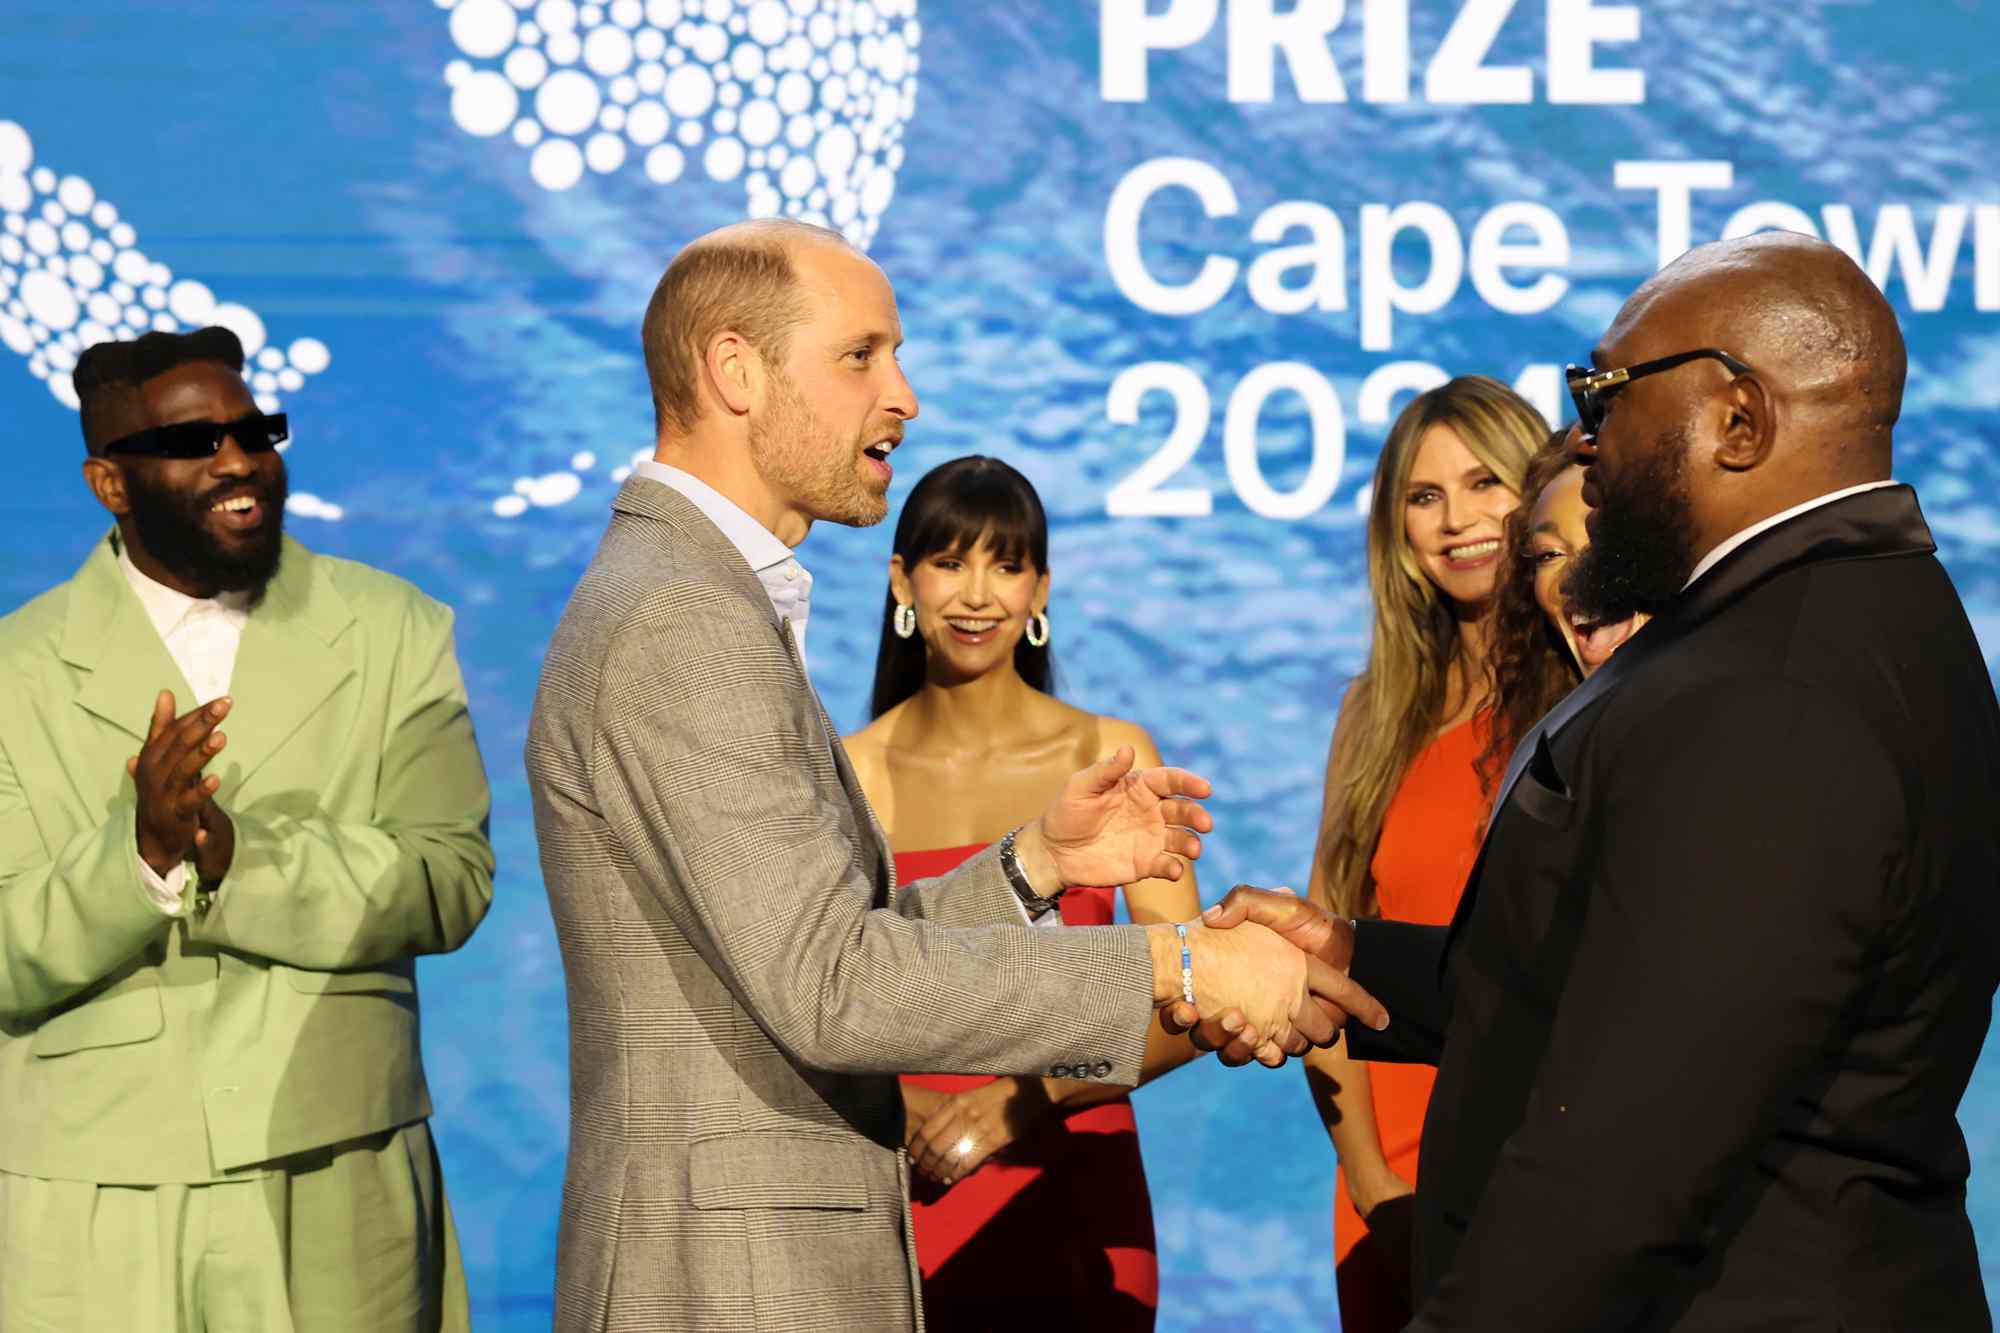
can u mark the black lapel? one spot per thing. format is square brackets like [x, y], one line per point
[1873, 525]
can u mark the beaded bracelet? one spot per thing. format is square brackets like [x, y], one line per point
[1187, 964]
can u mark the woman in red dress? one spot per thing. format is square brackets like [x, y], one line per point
[1030, 1202]
[1406, 795]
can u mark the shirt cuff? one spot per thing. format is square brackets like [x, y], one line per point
[165, 892]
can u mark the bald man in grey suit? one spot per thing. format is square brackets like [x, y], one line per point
[745, 978]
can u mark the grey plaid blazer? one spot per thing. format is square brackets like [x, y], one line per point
[738, 1005]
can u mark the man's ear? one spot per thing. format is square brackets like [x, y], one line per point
[899, 583]
[107, 482]
[734, 371]
[1749, 425]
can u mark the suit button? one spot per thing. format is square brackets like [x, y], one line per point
[1058, 1071]
[1102, 1069]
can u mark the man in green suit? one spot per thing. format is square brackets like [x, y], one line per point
[239, 795]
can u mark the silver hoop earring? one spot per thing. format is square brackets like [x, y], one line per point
[906, 620]
[1038, 621]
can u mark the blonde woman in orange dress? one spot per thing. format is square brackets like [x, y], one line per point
[1405, 801]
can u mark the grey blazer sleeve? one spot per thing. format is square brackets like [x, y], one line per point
[709, 765]
[974, 893]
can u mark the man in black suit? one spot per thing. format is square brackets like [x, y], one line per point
[1722, 972]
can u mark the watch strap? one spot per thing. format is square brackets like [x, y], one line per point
[1017, 879]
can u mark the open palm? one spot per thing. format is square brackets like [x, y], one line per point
[1114, 824]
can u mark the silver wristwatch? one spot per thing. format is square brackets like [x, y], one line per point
[1017, 879]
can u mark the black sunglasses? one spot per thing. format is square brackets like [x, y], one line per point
[1591, 389]
[257, 433]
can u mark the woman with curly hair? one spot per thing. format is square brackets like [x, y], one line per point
[1404, 803]
[1539, 649]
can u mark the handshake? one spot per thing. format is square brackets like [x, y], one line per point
[1268, 975]
[1267, 969]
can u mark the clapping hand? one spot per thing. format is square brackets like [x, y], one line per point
[214, 842]
[173, 794]
[1114, 824]
[1240, 1033]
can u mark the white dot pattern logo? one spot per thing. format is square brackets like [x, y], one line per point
[803, 101]
[551, 489]
[72, 275]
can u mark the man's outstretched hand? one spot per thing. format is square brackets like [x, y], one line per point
[1326, 939]
[1250, 973]
[1115, 824]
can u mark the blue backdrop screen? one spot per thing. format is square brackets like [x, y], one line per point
[1179, 262]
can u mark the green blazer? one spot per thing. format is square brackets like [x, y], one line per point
[135, 1049]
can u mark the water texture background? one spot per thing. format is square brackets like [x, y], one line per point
[303, 160]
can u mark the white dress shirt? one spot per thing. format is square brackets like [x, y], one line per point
[785, 580]
[202, 635]
[1714, 557]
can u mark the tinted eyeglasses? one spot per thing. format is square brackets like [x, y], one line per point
[257, 433]
[1591, 389]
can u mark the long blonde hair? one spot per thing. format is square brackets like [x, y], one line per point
[1396, 703]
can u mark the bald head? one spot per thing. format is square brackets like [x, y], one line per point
[1801, 314]
[739, 278]
[1694, 449]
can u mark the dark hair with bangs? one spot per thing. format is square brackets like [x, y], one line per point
[958, 506]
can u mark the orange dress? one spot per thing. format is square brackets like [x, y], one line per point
[1430, 838]
[1054, 1231]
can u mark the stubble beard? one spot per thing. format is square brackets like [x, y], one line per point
[1641, 550]
[803, 458]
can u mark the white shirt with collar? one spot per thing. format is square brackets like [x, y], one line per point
[1714, 557]
[785, 580]
[201, 635]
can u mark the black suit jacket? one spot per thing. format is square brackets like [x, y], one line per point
[1724, 966]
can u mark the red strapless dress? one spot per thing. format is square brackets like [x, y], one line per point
[1054, 1231]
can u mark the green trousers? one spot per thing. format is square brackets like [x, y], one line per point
[354, 1238]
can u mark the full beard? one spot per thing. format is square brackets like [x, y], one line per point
[1641, 548]
[174, 529]
[799, 456]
